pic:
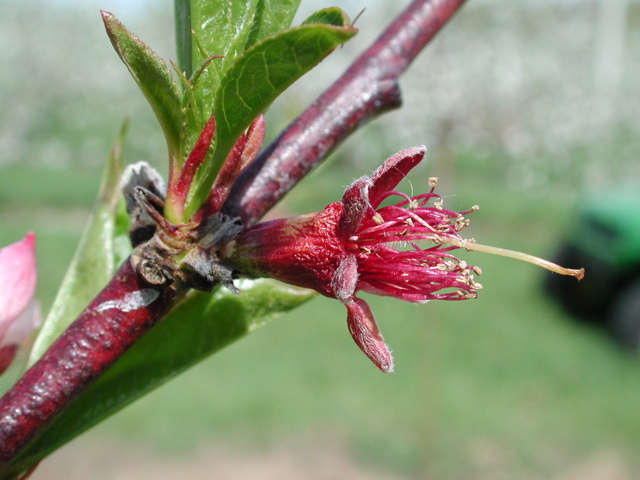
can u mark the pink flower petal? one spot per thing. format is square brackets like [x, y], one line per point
[27, 322]
[18, 334]
[18, 276]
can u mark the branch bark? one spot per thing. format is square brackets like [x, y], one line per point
[124, 311]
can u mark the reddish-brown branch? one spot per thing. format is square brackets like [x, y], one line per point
[369, 87]
[114, 320]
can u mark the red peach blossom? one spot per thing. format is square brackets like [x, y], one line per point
[358, 244]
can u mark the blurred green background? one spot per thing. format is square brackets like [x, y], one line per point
[525, 106]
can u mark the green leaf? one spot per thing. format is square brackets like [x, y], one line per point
[200, 325]
[103, 245]
[257, 77]
[227, 29]
[154, 79]
[330, 16]
[222, 27]
[230, 28]
[219, 28]
[271, 17]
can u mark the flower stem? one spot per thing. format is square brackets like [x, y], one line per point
[368, 88]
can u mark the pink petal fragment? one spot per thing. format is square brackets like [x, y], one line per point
[18, 276]
[21, 328]
[392, 171]
[364, 330]
[19, 334]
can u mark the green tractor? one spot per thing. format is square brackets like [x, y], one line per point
[605, 240]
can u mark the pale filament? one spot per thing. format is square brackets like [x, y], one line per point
[525, 257]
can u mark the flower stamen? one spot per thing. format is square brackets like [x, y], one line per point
[471, 245]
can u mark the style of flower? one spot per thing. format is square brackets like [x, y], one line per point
[19, 312]
[360, 244]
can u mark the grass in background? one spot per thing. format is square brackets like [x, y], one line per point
[504, 385]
